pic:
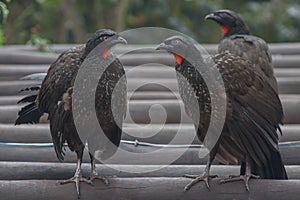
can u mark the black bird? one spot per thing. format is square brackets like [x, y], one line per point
[238, 41]
[249, 134]
[54, 97]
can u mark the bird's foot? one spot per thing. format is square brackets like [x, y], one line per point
[198, 178]
[244, 178]
[76, 179]
[96, 176]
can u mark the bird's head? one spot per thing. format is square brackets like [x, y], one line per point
[107, 38]
[231, 23]
[179, 46]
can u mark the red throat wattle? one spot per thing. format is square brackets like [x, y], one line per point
[225, 29]
[178, 58]
[105, 53]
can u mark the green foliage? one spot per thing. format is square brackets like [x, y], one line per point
[48, 3]
[3, 17]
[1, 37]
[273, 20]
[3, 12]
[40, 43]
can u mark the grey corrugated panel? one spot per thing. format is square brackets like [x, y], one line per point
[154, 133]
[162, 111]
[24, 57]
[15, 72]
[140, 155]
[10, 100]
[287, 61]
[55, 171]
[276, 48]
[154, 71]
[141, 95]
[14, 87]
[134, 58]
[150, 188]
[287, 85]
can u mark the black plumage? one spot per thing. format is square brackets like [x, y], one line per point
[238, 41]
[55, 98]
[249, 134]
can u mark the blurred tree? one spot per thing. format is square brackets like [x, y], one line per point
[105, 13]
[3, 17]
[71, 20]
[63, 20]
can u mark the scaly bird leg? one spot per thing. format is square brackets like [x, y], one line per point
[246, 177]
[94, 175]
[77, 178]
[204, 177]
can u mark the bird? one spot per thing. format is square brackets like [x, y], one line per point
[250, 133]
[238, 41]
[55, 95]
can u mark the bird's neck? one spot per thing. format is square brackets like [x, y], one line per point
[242, 30]
[179, 59]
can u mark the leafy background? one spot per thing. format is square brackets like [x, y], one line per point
[69, 21]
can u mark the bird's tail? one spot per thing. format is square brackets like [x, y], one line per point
[28, 99]
[276, 167]
[31, 88]
[30, 113]
[272, 170]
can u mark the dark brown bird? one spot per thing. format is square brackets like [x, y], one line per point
[249, 134]
[55, 98]
[238, 41]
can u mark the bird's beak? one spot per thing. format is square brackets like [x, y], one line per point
[212, 16]
[162, 46]
[121, 40]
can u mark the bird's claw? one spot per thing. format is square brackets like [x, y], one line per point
[96, 176]
[244, 178]
[76, 180]
[198, 178]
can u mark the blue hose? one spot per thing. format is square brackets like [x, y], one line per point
[138, 143]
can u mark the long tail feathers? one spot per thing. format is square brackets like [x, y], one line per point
[32, 88]
[277, 167]
[28, 99]
[29, 114]
[272, 170]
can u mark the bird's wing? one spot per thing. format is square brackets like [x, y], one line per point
[111, 101]
[62, 127]
[253, 49]
[254, 109]
[193, 89]
[59, 78]
[120, 90]
[53, 97]
[110, 106]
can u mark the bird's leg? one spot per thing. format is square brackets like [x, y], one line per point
[94, 175]
[246, 177]
[242, 170]
[204, 177]
[77, 178]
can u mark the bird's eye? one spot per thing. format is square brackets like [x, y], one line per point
[105, 38]
[223, 15]
[175, 42]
